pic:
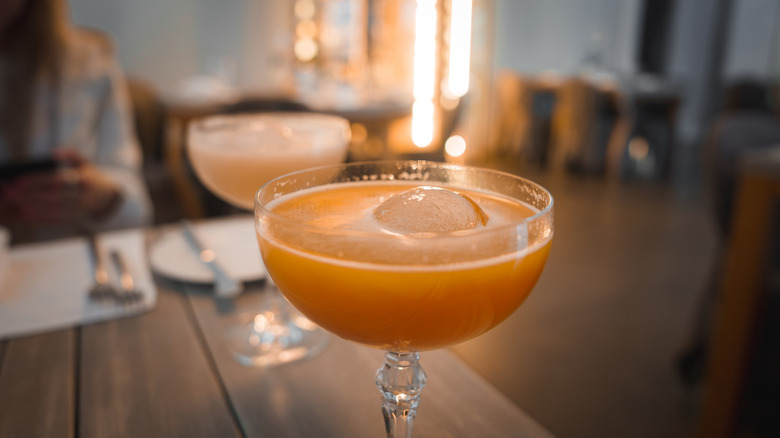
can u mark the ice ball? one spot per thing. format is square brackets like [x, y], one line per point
[428, 209]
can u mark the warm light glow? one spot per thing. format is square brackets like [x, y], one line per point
[460, 48]
[424, 72]
[422, 123]
[425, 49]
[306, 49]
[305, 9]
[455, 146]
[306, 29]
[207, 256]
[262, 321]
[638, 148]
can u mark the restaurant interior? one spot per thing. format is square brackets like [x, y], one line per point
[653, 124]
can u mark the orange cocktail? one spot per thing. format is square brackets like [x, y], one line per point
[404, 256]
[376, 293]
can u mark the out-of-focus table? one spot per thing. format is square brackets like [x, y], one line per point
[168, 373]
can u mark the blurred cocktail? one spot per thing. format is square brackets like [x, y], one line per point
[233, 155]
[404, 256]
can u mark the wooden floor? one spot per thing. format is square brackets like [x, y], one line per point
[591, 353]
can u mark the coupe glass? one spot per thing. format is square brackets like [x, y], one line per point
[233, 155]
[403, 290]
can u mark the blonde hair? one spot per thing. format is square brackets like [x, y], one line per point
[33, 50]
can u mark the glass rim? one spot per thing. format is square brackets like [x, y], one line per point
[546, 211]
[200, 124]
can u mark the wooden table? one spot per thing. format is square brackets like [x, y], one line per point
[168, 373]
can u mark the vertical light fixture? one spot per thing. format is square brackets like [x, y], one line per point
[460, 48]
[459, 66]
[425, 56]
[306, 47]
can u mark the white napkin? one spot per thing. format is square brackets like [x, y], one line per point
[46, 285]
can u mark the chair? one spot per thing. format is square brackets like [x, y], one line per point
[591, 126]
[722, 348]
[523, 109]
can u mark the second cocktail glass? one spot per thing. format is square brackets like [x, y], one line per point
[233, 155]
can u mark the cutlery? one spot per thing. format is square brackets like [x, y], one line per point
[225, 286]
[129, 293]
[101, 287]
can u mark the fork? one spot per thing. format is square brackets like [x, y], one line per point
[101, 286]
[129, 292]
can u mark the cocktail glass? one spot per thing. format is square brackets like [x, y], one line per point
[412, 282]
[233, 155]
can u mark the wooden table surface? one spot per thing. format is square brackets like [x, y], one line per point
[168, 373]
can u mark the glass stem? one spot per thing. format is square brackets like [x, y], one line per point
[400, 380]
[273, 300]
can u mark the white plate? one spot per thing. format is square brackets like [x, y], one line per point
[233, 240]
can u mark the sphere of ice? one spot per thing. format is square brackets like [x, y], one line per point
[428, 209]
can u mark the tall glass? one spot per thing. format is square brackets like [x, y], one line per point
[404, 256]
[233, 155]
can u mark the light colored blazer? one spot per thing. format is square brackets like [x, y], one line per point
[91, 112]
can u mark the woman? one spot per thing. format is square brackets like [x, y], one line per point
[63, 98]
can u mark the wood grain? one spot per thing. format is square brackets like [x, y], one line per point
[37, 386]
[333, 395]
[148, 376]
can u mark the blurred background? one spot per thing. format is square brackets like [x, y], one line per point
[629, 89]
[633, 113]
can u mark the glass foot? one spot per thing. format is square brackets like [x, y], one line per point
[277, 335]
[266, 341]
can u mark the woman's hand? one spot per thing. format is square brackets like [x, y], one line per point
[77, 191]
